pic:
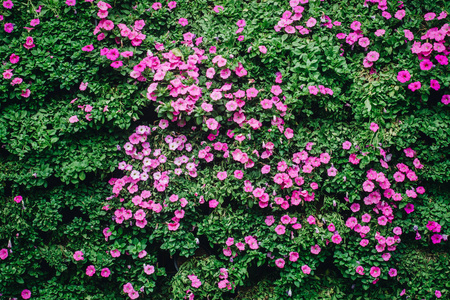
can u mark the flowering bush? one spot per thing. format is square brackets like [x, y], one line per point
[275, 149]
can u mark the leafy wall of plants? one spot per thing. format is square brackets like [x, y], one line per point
[224, 150]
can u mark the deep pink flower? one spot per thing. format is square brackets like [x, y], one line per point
[311, 22]
[360, 270]
[26, 294]
[445, 99]
[3, 254]
[88, 48]
[71, 2]
[9, 27]
[426, 65]
[18, 199]
[403, 76]
[374, 127]
[414, 86]
[222, 175]
[105, 272]
[8, 5]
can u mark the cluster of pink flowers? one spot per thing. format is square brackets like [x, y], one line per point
[195, 282]
[224, 282]
[128, 289]
[313, 90]
[289, 17]
[8, 74]
[433, 47]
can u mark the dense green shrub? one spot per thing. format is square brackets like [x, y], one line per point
[234, 149]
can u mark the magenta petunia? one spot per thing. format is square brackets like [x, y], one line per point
[403, 76]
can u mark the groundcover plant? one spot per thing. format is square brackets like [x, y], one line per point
[259, 149]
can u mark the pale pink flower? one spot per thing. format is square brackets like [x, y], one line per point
[311, 22]
[73, 119]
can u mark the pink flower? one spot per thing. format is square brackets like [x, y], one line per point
[289, 133]
[346, 145]
[375, 272]
[445, 99]
[71, 2]
[364, 42]
[360, 270]
[13, 58]
[212, 124]
[426, 65]
[251, 93]
[429, 16]
[9, 27]
[241, 23]
[311, 22]
[172, 4]
[409, 208]
[280, 263]
[373, 56]
[73, 119]
[156, 5]
[88, 48]
[413, 86]
[8, 5]
[26, 294]
[403, 76]
[183, 22]
[336, 238]
[293, 256]
[442, 59]
[306, 269]
[313, 90]
[368, 186]
[117, 64]
[374, 127]
[400, 14]
[3, 254]
[311, 220]
[148, 269]
[218, 8]
[438, 294]
[276, 90]
[90, 270]
[280, 229]
[222, 175]
[115, 253]
[18, 199]
[105, 272]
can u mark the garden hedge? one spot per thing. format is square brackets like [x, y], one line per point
[229, 149]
